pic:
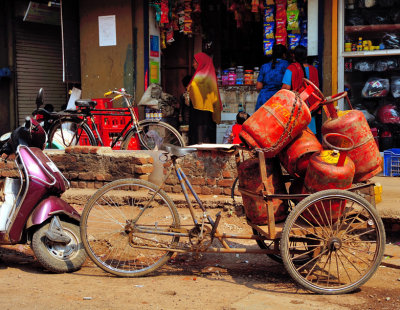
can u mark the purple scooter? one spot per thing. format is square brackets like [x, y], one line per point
[33, 212]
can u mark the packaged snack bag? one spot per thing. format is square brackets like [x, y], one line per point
[293, 20]
[268, 44]
[269, 30]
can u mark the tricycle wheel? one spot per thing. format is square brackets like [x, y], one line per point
[342, 236]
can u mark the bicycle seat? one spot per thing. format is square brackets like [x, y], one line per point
[85, 103]
[177, 150]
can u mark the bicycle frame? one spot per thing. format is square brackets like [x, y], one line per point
[185, 232]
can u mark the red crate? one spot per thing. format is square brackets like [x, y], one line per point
[109, 134]
[103, 103]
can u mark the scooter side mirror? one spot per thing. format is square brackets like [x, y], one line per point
[39, 98]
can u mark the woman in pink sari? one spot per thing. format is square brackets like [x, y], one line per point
[204, 95]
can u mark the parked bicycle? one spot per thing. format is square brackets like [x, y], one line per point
[131, 227]
[77, 127]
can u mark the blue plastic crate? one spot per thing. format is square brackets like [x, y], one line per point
[391, 163]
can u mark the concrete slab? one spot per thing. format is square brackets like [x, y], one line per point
[389, 207]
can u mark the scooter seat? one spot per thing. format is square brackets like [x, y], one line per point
[85, 103]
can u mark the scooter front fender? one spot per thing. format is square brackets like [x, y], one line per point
[49, 207]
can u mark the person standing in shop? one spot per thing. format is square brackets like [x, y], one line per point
[269, 80]
[299, 69]
[204, 95]
[293, 78]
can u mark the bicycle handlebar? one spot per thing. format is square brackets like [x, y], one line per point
[119, 94]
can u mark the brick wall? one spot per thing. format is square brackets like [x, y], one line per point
[210, 172]
[92, 167]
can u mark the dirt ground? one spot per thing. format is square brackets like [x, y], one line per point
[211, 281]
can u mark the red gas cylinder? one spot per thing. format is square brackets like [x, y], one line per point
[329, 169]
[250, 179]
[296, 155]
[365, 153]
[277, 122]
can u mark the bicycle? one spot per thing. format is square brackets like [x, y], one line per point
[77, 127]
[131, 227]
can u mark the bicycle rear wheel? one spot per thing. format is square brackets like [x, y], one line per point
[152, 134]
[128, 232]
[342, 236]
[70, 132]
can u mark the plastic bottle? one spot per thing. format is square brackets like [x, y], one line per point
[239, 75]
[225, 77]
[231, 76]
[255, 74]
[360, 44]
[248, 77]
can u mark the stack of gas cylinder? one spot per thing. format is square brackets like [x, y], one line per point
[347, 155]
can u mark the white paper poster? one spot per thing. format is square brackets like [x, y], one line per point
[107, 31]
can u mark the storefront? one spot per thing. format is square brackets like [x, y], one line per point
[239, 35]
[369, 64]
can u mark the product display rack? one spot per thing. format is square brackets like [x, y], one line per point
[352, 77]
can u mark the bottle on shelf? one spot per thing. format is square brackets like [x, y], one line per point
[255, 74]
[360, 44]
[232, 76]
[225, 77]
[248, 77]
[239, 75]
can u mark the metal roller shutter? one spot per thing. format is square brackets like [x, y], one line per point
[38, 64]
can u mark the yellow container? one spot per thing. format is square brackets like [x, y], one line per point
[378, 192]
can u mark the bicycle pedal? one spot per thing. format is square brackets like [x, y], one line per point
[216, 223]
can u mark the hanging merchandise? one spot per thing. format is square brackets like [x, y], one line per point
[169, 34]
[164, 12]
[269, 30]
[292, 5]
[268, 44]
[294, 40]
[156, 4]
[280, 17]
[269, 14]
[293, 20]
[187, 28]
[196, 6]
[254, 6]
[281, 36]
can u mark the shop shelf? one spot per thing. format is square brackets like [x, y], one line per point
[391, 162]
[371, 28]
[388, 52]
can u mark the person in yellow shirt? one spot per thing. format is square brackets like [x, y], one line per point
[204, 94]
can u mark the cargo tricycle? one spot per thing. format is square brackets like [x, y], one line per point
[330, 240]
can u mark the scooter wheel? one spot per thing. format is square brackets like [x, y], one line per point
[59, 257]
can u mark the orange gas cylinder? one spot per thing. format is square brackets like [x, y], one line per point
[365, 153]
[250, 179]
[329, 169]
[296, 155]
[283, 117]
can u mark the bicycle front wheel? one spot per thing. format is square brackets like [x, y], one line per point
[152, 134]
[70, 132]
[127, 227]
